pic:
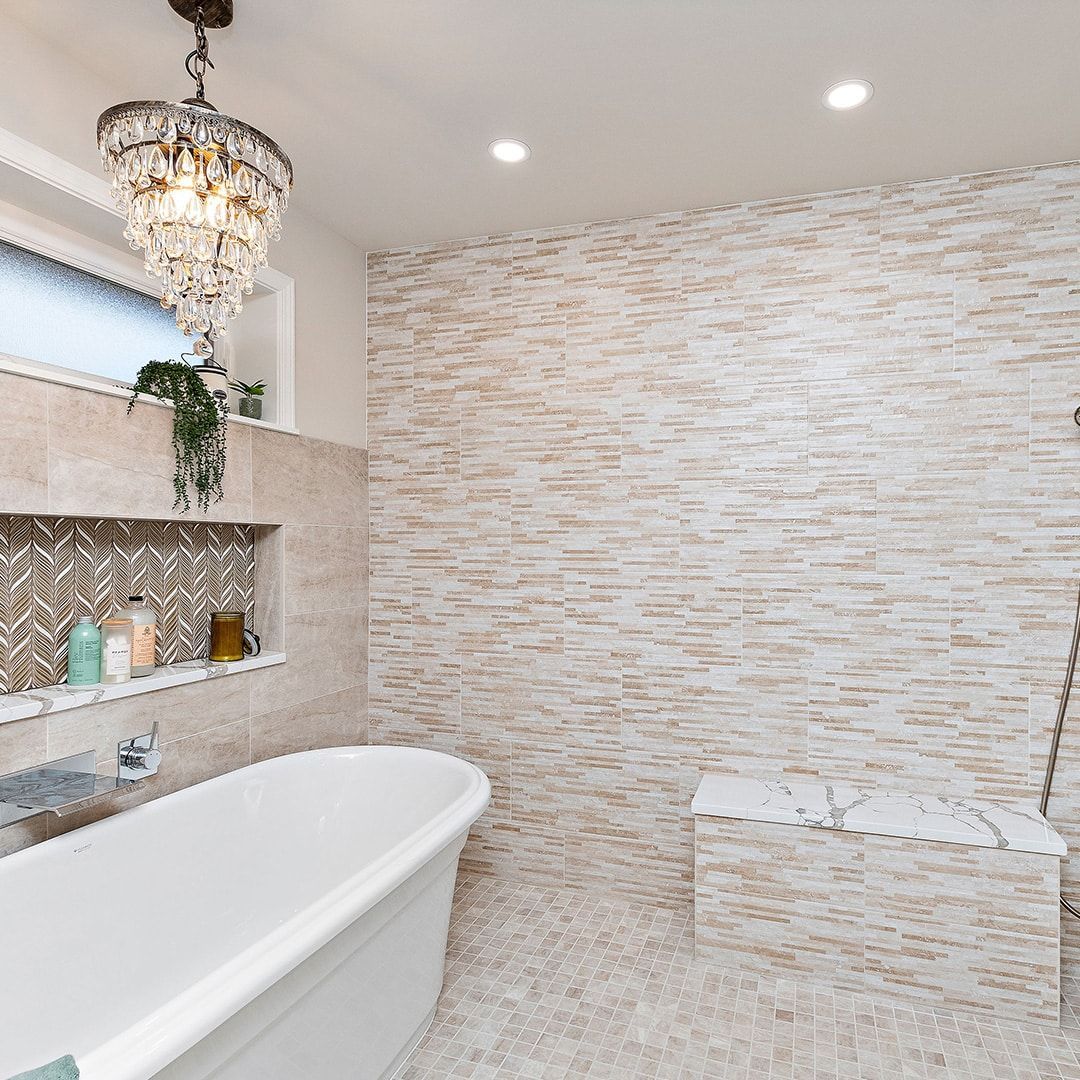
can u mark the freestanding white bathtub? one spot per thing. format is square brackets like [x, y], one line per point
[283, 922]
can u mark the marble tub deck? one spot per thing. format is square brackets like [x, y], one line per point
[552, 983]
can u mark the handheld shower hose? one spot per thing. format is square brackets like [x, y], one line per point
[1055, 742]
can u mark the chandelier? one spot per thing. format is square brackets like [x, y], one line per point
[203, 193]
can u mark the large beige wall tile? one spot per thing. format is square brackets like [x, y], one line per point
[660, 873]
[898, 424]
[541, 696]
[959, 733]
[981, 223]
[965, 928]
[324, 568]
[206, 755]
[23, 744]
[24, 456]
[1055, 449]
[517, 852]
[1063, 808]
[335, 720]
[410, 694]
[780, 901]
[417, 444]
[602, 792]
[802, 240]
[300, 481]
[767, 861]
[105, 463]
[327, 652]
[782, 526]
[850, 330]
[1017, 315]
[719, 431]
[750, 722]
[846, 621]
[1010, 524]
[180, 711]
[972, 928]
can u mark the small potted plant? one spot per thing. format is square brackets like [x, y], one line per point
[251, 395]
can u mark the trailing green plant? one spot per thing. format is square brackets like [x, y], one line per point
[199, 429]
[255, 389]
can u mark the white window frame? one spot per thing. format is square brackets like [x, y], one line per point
[32, 233]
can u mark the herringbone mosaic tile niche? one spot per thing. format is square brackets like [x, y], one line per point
[54, 569]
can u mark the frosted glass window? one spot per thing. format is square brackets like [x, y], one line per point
[55, 314]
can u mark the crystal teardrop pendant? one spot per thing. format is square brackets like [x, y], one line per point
[185, 163]
[215, 171]
[157, 165]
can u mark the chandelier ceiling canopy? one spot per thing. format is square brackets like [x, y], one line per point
[203, 193]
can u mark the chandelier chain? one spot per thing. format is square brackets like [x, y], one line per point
[198, 60]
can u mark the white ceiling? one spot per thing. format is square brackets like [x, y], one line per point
[631, 106]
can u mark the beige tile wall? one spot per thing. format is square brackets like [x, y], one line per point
[73, 452]
[968, 928]
[783, 487]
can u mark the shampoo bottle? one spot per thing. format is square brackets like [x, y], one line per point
[84, 653]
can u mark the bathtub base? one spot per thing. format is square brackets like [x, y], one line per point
[412, 1044]
[356, 1008]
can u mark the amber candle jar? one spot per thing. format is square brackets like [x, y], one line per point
[226, 636]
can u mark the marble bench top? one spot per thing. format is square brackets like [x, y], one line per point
[971, 821]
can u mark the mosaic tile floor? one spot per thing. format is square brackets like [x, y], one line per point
[548, 984]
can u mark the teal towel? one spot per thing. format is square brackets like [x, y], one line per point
[63, 1069]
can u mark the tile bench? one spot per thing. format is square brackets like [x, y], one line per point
[944, 901]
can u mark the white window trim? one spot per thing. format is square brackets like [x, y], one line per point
[28, 231]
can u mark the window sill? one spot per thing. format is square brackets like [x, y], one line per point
[13, 366]
[54, 699]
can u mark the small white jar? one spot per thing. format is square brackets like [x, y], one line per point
[143, 636]
[116, 650]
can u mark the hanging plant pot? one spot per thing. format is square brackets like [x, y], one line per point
[216, 380]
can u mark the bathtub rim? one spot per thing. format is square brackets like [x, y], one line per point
[158, 1038]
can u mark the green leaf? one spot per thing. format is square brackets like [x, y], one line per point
[256, 389]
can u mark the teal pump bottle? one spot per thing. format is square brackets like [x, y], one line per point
[84, 653]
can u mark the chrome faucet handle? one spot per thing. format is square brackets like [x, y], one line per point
[138, 758]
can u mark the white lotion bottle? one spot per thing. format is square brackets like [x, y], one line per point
[143, 636]
[115, 651]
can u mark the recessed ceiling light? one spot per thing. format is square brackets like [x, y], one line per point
[509, 150]
[849, 94]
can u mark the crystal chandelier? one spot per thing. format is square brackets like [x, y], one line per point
[203, 193]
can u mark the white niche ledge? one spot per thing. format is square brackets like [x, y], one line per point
[54, 699]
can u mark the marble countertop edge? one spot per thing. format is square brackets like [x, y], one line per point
[975, 822]
[53, 699]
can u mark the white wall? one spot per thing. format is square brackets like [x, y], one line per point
[50, 98]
